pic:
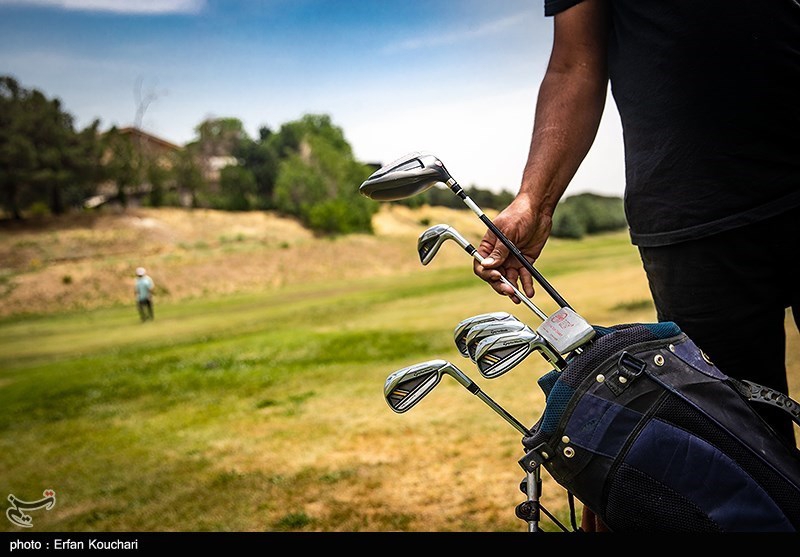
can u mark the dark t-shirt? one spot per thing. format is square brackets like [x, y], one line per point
[709, 98]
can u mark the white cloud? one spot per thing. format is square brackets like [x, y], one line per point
[489, 28]
[117, 6]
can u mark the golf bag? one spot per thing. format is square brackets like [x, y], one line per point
[647, 433]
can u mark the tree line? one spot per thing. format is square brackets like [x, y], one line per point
[305, 169]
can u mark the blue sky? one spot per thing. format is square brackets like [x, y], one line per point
[457, 78]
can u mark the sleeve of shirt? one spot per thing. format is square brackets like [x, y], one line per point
[553, 7]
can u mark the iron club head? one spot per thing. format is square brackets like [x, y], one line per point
[496, 355]
[405, 387]
[484, 330]
[461, 330]
[431, 240]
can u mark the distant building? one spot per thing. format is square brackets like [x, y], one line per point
[160, 149]
[145, 149]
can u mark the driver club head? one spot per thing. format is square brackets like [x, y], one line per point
[405, 177]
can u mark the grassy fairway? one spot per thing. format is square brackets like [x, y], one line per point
[264, 412]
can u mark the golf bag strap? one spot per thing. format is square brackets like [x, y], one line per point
[758, 393]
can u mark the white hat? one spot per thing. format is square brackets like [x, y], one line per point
[140, 271]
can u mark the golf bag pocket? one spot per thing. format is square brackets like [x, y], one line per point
[644, 430]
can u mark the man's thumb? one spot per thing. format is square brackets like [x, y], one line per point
[497, 257]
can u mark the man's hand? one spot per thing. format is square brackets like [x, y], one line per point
[528, 229]
[568, 111]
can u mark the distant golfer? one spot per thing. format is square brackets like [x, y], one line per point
[143, 290]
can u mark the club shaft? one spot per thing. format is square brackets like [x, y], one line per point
[470, 249]
[503, 413]
[459, 191]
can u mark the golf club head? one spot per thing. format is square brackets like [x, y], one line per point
[461, 330]
[431, 240]
[405, 177]
[565, 330]
[484, 330]
[405, 387]
[498, 354]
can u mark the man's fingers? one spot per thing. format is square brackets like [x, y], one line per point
[489, 275]
[511, 275]
[526, 280]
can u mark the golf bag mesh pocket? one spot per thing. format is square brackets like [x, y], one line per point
[630, 491]
[698, 470]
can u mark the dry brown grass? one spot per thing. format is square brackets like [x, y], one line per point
[87, 261]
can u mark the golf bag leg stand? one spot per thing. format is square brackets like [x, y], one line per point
[529, 510]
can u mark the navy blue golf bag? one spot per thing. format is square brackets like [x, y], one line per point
[647, 433]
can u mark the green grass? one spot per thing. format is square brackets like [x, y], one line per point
[125, 419]
[264, 412]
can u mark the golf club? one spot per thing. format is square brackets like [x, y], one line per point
[432, 239]
[405, 387]
[416, 172]
[484, 330]
[462, 329]
[497, 354]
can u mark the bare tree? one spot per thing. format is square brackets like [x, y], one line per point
[142, 159]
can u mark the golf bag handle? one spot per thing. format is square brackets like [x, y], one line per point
[759, 393]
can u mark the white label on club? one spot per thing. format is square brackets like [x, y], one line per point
[565, 329]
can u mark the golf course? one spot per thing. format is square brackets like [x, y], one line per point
[254, 400]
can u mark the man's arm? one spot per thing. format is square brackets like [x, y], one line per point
[568, 112]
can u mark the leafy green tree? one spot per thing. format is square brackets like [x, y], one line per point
[17, 150]
[298, 187]
[338, 216]
[261, 159]
[42, 157]
[318, 177]
[188, 176]
[123, 166]
[86, 159]
[219, 136]
[588, 213]
[567, 224]
[237, 189]
[158, 177]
